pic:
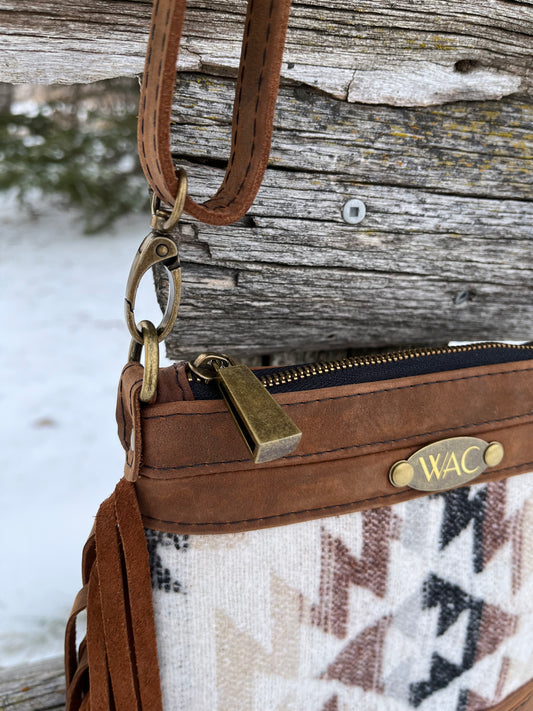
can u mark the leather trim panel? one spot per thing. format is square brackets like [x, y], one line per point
[194, 473]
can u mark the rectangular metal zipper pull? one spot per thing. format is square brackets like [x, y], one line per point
[269, 433]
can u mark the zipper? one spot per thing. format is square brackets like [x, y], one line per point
[301, 372]
[292, 374]
[268, 431]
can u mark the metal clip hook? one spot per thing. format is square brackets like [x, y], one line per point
[155, 249]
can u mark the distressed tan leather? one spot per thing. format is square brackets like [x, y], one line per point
[193, 472]
[253, 113]
[115, 667]
[520, 700]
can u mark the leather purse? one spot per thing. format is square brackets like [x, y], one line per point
[333, 536]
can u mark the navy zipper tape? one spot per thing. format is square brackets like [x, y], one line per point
[367, 373]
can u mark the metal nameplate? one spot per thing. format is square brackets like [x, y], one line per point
[446, 464]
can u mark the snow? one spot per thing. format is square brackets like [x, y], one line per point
[64, 343]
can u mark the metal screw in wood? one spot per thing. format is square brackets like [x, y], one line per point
[354, 211]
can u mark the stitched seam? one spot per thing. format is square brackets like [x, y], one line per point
[123, 414]
[238, 114]
[347, 397]
[145, 80]
[138, 444]
[355, 446]
[345, 449]
[154, 110]
[227, 202]
[524, 702]
[131, 402]
[155, 115]
[130, 365]
[306, 511]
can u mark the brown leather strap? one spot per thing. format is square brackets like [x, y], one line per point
[116, 666]
[520, 700]
[114, 611]
[100, 690]
[71, 655]
[139, 592]
[253, 114]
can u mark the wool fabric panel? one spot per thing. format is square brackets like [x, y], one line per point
[427, 605]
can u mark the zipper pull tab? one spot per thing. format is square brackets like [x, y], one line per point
[268, 431]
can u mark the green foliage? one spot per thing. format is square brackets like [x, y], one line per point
[81, 154]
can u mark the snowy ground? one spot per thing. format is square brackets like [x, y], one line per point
[64, 343]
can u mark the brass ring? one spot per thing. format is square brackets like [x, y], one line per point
[202, 365]
[162, 219]
[151, 359]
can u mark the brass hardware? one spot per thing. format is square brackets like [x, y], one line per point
[402, 473]
[309, 370]
[203, 366]
[446, 464]
[162, 220]
[493, 454]
[301, 372]
[151, 360]
[155, 249]
[135, 351]
[269, 433]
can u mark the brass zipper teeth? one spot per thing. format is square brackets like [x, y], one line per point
[302, 372]
[310, 370]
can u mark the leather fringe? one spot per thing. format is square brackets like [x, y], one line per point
[115, 666]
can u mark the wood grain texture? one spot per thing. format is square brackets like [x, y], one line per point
[443, 253]
[401, 53]
[38, 686]
[422, 110]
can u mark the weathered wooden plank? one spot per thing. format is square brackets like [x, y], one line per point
[38, 686]
[297, 221]
[481, 148]
[295, 309]
[443, 253]
[400, 53]
[291, 309]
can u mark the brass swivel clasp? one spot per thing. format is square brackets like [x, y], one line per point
[158, 248]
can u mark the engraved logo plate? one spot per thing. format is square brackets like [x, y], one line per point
[446, 464]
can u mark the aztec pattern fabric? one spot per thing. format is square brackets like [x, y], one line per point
[424, 605]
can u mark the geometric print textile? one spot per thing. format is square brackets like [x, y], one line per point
[425, 605]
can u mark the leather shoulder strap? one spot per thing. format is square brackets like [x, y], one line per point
[253, 113]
